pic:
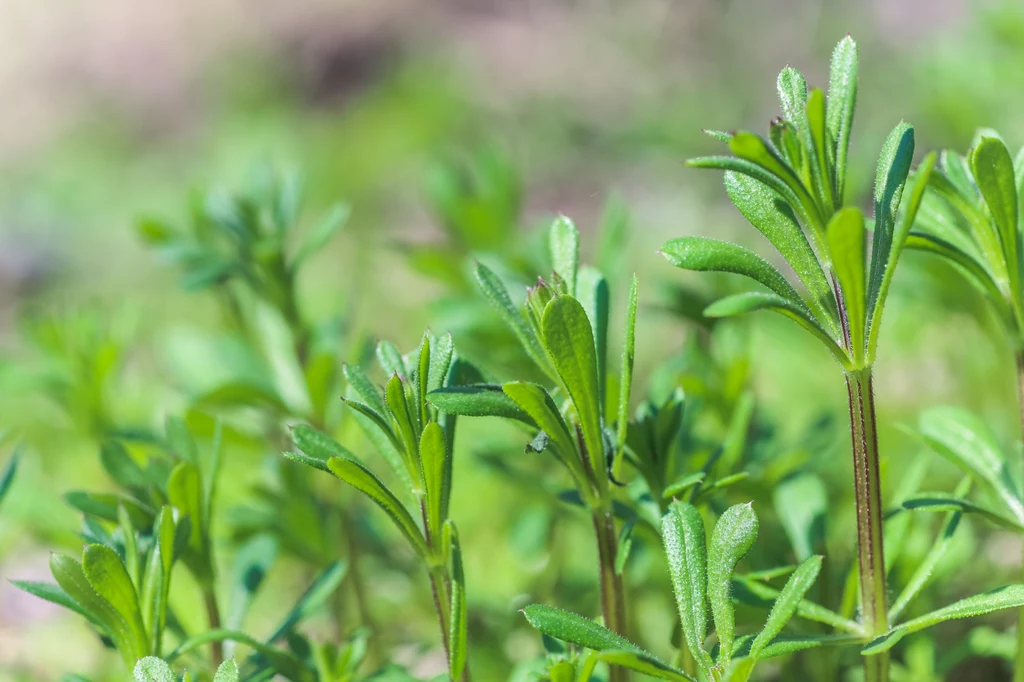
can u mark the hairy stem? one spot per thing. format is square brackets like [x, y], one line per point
[441, 590]
[213, 618]
[1018, 664]
[868, 492]
[613, 605]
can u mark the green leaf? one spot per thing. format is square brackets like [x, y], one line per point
[497, 296]
[321, 234]
[682, 485]
[55, 595]
[787, 604]
[105, 505]
[821, 171]
[106, 574]
[923, 572]
[537, 403]
[120, 465]
[893, 167]
[625, 380]
[576, 629]
[643, 662]
[478, 400]
[458, 627]
[592, 292]
[284, 662]
[967, 441]
[1008, 597]
[312, 599]
[801, 503]
[737, 304]
[765, 210]
[899, 241]
[152, 669]
[156, 583]
[682, 531]
[360, 478]
[753, 148]
[845, 234]
[391, 361]
[318, 445]
[407, 421]
[71, 578]
[442, 352]
[967, 263]
[564, 242]
[993, 171]
[792, 89]
[364, 388]
[703, 254]
[732, 538]
[758, 594]
[937, 502]
[770, 180]
[227, 672]
[569, 340]
[185, 493]
[249, 568]
[842, 98]
[379, 432]
[436, 463]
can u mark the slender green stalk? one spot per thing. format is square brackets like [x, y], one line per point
[613, 604]
[213, 618]
[441, 590]
[868, 492]
[1018, 664]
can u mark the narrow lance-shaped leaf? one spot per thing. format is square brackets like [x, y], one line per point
[821, 170]
[227, 672]
[575, 629]
[408, 426]
[682, 531]
[361, 479]
[842, 97]
[703, 254]
[945, 503]
[801, 504]
[564, 242]
[732, 538]
[536, 402]
[846, 243]
[1008, 597]
[458, 630]
[478, 400]
[434, 456]
[625, 380]
[643, 662]
[893, 167]
[497, 295]
[765, 210]
[899, 240]
[318, 447]
[993, 171]
[792, 88]
[923, 572]
[754, 149]
[786, 604]
[569, 340]
[965, 440]
[592, 292]
[106, 574]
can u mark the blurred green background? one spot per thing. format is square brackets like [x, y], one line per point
[115, 109]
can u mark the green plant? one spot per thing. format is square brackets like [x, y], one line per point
[563, 327]
[971, 219]
[792, 189]
[417, 442]
[702, 576]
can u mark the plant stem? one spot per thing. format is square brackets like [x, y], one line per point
[868, 492]
[213, 618]
[613, 606]
[440, 588]
[1018, 664]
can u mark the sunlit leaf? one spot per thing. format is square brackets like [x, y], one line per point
[731, 539]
